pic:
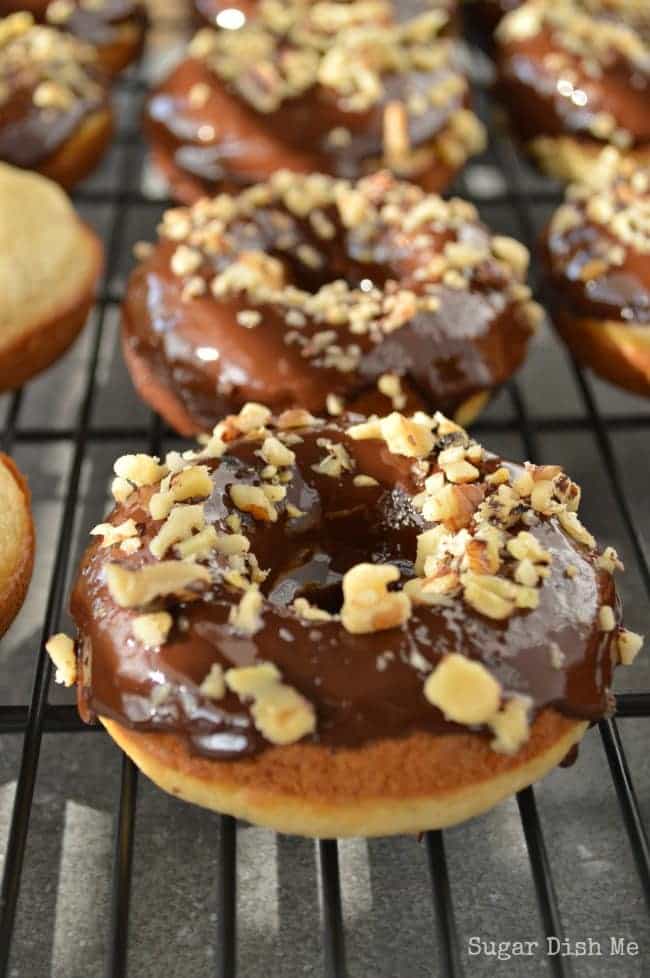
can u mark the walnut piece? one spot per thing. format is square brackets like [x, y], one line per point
[177, 527]
[61, 651]
[132, 589]
[629, 645]
[368, 605]
[463, 690]
[214, 684]
[191, 483]
[246, 617]
[253, 500]
[152, 629]
[112, 533]
[511, 725]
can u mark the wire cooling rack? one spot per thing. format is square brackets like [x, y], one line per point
[187, 892]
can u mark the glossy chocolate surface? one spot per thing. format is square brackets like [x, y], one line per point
[584, 279]
[551, 99]
[197, 349]
[31, 133]
[363, 687]
[227, 143]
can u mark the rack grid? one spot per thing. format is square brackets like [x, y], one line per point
[516, 194]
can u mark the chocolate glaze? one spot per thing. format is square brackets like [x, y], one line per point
[356, 700]
[473, 342]
[620, 292]
[96, 26]
[227, 143]
[530, 88]
[30, 135]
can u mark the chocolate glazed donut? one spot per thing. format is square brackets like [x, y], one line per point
[116, 28]
[341, 627]
[312, 292]
[232, 16]
[313, 88]
[575, 79]
[597, 256]
[55, 115]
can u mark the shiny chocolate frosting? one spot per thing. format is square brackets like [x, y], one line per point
[348, 495]
[248, 102]
[563, 69]
[597, 246]
[49, 85]
[418, 288]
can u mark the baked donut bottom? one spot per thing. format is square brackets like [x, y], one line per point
[617, 351]
[568, 158]
[81, 153]
[386, 787]
[17, 541]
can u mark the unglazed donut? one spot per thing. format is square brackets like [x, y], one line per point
[16, 541]
[115, 28]
[313, 87]
[344, 627]
[51, 263]
[597, 253]
[311, 292]
[575, 78]
[54, 111]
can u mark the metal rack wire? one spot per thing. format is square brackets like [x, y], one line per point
[39, 716]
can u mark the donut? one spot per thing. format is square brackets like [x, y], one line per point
[575, 79]
[597, 257]
[232, 16]
[55, 116]
[311, 292]
[51, 263]
[636, 13]
[17, 540]
[344, 627]
[324, 87]
[115, 28]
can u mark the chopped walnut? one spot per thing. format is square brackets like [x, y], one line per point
[511, 725]
[61, 651]
[311, 612]
[132, 589]
[573, 526]
[283, 715]
[463, 690]
[251, 681]
[214, 684]
[336, 461]
[368, 605]
[198, 546]
[607, 618]
[253, 500]
[191, 483]
[405, 436]
[152, 629]
[629, 645]
[178, 526]
[112, 533]
[275, 453]
[246, 617]
[140, 470]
